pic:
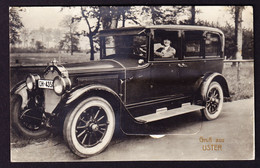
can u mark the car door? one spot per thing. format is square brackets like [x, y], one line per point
[138, 85]
[191, 67]
[138, 79]
[165, 71]
[165, 79]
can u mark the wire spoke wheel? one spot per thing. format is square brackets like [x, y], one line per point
[31, 118]
[89, 127]
[27, 121]
[214, 101]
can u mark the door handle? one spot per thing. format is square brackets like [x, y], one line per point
[180, 65]
[184, 65]
[129, 79]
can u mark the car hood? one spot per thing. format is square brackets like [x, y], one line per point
[93, 66]
[105, 65]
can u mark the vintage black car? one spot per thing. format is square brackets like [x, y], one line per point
[137, 80]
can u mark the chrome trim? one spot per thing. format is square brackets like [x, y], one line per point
[150, 102]
[34, 78]
[66, 84]
[61, 69]
[139, 67]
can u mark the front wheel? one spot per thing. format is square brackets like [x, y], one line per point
[27, 121]
[89, 127]
[214, 101]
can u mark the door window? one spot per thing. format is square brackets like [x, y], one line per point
[165, 45]
[212, 45]
[193, 45]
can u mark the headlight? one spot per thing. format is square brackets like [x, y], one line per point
[31, 81]
[60, 85]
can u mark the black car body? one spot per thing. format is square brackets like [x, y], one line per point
[127, 87]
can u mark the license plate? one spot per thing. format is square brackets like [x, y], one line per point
[46, 84]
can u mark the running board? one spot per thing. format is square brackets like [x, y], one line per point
[162, 114]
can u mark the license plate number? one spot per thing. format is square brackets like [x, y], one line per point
[46, 84]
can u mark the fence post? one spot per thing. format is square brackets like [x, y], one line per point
[238, 71]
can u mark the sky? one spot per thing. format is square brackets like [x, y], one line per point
[50, 17]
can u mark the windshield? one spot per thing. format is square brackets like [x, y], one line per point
[124, 45]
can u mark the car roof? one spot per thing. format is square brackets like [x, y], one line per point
[139, 29]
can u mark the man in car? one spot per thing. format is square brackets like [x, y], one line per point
[166, 51]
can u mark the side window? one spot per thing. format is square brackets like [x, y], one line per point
[193, 45]
[165, 45]
[212, 45]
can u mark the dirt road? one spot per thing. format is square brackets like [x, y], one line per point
[230, 137]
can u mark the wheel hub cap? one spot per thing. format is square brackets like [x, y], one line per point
[94, 127]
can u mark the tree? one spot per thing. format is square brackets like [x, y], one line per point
[191, 12]
[238, 31]
[163, 14]
[87, 14]
[39, 46]
[106, 17]
[236, 11]
[69, 43]
[48, 36]
[15, 25]
[25, 36]
[71, 24]
[248, 44]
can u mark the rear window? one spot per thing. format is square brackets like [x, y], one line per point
[212, 45]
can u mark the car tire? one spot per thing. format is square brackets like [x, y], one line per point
[213, 102]
[26, 122]
[89, 127]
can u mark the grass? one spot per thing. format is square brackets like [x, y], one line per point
[243, 88]
[44, 58]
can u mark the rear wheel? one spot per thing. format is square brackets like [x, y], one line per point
[89, 127]
[214, 101]
[27, 121]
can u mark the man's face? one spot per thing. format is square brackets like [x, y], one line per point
[166, 42]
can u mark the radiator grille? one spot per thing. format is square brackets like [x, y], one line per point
[51, 99]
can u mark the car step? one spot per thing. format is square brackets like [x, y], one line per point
[162, 114]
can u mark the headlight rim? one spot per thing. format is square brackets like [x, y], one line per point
[34, 79]
[65, 83]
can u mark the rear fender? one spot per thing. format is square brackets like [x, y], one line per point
[210, 78]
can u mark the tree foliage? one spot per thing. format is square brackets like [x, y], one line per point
[15, 25]
[163, 15]
[39, 46]
[70, 41]
[230, 37]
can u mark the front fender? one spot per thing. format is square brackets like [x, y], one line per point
[214, 77]
[102, 90]
[77, 93]
[21, 90]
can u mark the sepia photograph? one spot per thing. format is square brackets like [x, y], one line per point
[131, 83]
